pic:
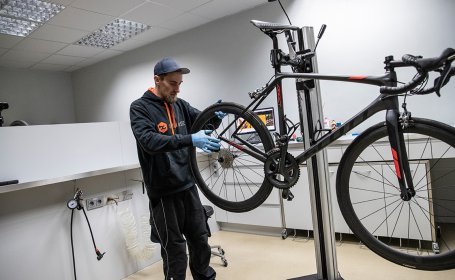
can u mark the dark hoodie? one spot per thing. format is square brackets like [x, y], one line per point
[162, 133]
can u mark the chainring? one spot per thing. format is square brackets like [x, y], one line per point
[291, 170]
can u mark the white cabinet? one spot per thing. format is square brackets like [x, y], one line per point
[371, 177]
[268, 214]
[235, 189]
[298, 211]
[338, 221]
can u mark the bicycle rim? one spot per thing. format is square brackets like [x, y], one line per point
[419, 233]
[231, 178]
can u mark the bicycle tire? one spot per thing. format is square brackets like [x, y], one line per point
[19, 123]
[229, 178]
[382, 224]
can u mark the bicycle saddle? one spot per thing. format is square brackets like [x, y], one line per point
[269, 26]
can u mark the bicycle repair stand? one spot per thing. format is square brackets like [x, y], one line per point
[310, 106]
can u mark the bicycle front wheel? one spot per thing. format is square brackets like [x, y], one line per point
[419, 233]
[233, 178]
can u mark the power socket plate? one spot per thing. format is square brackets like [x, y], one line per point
[95, 202]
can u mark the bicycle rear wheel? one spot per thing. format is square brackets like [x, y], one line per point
[232, 178]
[419, 233]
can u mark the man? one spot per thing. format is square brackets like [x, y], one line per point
[161, 124]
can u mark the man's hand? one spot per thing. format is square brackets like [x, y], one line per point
[220, 115]
[205, 142]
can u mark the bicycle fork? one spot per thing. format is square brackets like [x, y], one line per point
[399, 154]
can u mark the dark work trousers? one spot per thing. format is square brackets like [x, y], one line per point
[177, 220]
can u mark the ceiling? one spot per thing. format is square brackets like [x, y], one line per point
[51, 46]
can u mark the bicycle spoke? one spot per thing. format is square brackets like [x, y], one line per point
[380, 155]
[374, 231]
[431, 168]
[249, 168]
[438, 204]
[396, 221]
[373, 199]
[369, 164]
[371, 178]
[421, 157]
[240, 186]
[415, 221]
[247, 160]
[435, 180]
[374, 212]
[372, 202]
[248, 186]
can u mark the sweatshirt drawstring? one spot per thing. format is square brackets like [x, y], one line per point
[170, 112]
[171, 116]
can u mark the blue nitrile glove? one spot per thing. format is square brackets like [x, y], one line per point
[220, 114]
[205, 142]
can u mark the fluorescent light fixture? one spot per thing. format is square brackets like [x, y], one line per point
[113, 33]
[16, 27]
[21, 17]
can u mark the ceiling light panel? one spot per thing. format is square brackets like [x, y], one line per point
[21, 17]
[113, 33]
[16, 27]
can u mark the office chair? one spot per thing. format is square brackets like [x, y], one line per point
[209, 212]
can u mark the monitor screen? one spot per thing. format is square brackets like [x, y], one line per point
[266, 115]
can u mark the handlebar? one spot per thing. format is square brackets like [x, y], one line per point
[441, 64]
[300, 59]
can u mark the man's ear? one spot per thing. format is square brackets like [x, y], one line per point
[157, 80]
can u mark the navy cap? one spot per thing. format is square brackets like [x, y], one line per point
[168, 65]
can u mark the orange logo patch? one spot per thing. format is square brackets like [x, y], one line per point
[162, 127]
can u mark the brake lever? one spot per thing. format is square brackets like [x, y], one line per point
[442, 80]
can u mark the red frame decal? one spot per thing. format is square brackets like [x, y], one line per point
[236, 145]
[357, 77]
[396, 163]
[278, 92]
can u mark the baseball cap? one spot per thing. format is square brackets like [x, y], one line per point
[168, 65]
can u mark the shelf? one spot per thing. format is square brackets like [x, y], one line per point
[34, 184]
[47, 154]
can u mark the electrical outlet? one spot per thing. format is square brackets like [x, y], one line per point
[94, 202]
[127, 195]
[118, 197]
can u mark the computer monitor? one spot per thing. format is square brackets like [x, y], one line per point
[266, 115]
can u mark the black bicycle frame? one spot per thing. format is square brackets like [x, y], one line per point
[384, 102]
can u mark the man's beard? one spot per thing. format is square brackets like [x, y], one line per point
[170, 100]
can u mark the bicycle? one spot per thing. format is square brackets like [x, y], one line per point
[4, 106]
[401, 192]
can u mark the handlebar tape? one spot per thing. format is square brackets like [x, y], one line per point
[430, 64]
[423, 66]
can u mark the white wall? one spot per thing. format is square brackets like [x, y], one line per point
[216, 54]
[361, 33]
[38, 97]
[35, 231]
[230, 57]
